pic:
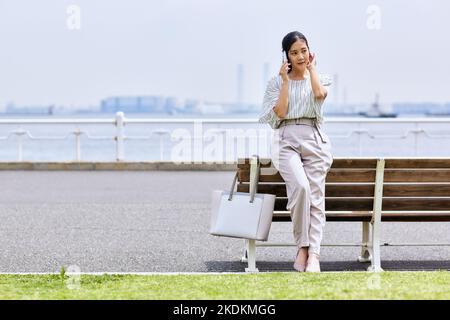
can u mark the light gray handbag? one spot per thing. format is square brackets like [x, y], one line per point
[241, 214]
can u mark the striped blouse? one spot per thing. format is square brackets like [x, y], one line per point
[302, 103]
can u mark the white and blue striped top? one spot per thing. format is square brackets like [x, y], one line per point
[302, 103]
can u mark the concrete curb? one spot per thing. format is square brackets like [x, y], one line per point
[203, 273]
[134, 166]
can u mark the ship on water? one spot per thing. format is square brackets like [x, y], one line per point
[375, 110]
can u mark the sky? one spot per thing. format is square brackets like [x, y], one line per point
[191, 48]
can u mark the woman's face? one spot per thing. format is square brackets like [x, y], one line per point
[298, 55]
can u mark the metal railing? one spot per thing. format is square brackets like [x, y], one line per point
[120, 137]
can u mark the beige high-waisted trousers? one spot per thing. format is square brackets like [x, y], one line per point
[301, 152]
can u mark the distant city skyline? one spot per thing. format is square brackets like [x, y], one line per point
[192, 49]
[170, 105]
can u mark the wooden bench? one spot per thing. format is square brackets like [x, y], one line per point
[369, 190]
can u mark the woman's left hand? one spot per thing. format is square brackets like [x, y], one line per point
[312, 61]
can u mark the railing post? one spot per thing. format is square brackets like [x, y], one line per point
[19, 148]
[119, 136]
[77, 134]
[20, 132]
[359, 139]
[416, 138]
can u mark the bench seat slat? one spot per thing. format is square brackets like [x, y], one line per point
[416, 203]
[349, 190]
[363, 190]
[393, 217]
[362, 204]
[359, 204]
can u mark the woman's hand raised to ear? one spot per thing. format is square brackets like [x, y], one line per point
[320, 92]
[312, 61]
[284, 71]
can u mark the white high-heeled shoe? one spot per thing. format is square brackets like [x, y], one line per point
[297, 266]
[313, 264]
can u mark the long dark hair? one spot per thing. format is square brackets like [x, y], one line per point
[288, 40]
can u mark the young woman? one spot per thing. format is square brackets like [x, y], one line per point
[301, 151]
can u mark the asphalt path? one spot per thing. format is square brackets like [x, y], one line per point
[158, 221]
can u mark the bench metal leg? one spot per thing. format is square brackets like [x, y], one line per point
[376, 218]
[251, 247]
[251, 257]
[245, 256]
[375, 248]
[365, 251]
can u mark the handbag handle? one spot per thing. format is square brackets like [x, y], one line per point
[232, 186]
[253, 190]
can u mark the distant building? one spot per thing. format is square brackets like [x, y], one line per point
[173, 105]
[421, 108]
[139, 104]
[43, 110]
[158, 104]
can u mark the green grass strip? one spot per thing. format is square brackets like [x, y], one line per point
[289, 285]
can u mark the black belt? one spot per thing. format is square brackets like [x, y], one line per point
[309, 121]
